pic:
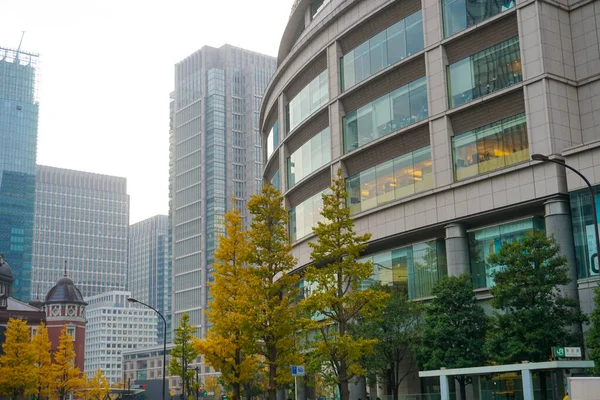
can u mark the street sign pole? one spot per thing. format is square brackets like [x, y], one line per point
[296, 387]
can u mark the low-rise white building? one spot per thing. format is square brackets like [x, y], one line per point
[114, 325]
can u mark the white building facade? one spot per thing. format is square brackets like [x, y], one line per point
[113, 326]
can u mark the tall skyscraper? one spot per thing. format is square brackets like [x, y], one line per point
[149, 276]
[82, 219]
[18, 146]
[215, 155]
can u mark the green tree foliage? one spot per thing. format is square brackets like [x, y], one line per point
[528, 279]
[66, 377]
[274, 313]
[593, 334]
[398, 334]
[17, 364]
[228, 344]
[184, 346]
[454, 329]
[43, 363]
[335, 277]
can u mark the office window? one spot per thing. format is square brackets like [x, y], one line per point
[413, 269]
[272, 139]
[305, 216]
[389, 113]
[462, 14]
[490, 147]
[387, 47]
[486, 241]
[312, 155]
[403, 176]
[311, 97]
[485, 72]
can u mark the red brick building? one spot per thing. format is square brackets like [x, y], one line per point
[64, 305]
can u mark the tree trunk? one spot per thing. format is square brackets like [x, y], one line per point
[236, 391]
[343, 377]
[462, 383]
[543, 391]
[272, 389]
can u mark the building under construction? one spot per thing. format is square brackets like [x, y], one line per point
[18, 143]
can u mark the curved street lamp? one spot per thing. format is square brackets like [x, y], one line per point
[561, 161]
[164, 375]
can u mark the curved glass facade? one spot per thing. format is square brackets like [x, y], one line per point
[490, 147]
[485, 72]
[389, 46]
[305, 216]
[272, 139]
[486, 241]
[276, 181]
[403, 176]
[391, 112]
[414, 269]
[310, 99]
[462, 14]
[311, 156]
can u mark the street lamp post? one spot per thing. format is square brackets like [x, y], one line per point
[164, 374]
[560, 161]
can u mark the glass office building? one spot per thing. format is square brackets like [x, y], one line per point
[81, 220]
[18, 149]
[215, 155]
[432, 109]
[149, 273]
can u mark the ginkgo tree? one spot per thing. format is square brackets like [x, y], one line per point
[274, 313]
[228, 345]
[66, 377]
[336, 298]
[17, 365]
[97, 387]
[43, 363]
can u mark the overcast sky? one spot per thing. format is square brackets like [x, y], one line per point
[107, 71]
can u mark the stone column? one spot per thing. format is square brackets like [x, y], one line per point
[558, 223]
[457, 250]
[358, 388]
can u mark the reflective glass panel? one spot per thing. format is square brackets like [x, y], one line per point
[413, 269]
[305, 216]
[387, 47]
[307, 101]
[490, 147]
[311, 156]
[391, 112]
[486, 241]
[484, 72]
[462, 14]
[272, 139]
[390, 180]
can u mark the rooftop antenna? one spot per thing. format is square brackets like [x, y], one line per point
[21, 42]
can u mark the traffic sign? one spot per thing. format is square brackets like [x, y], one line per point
[297, 370]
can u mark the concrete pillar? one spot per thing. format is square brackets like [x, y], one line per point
[358, 388]
[457, 250]
[445, 388]
[281, 394]
[373, 389]
[558, 223]
[527, 384]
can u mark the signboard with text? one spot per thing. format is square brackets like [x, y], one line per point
[297, 370]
